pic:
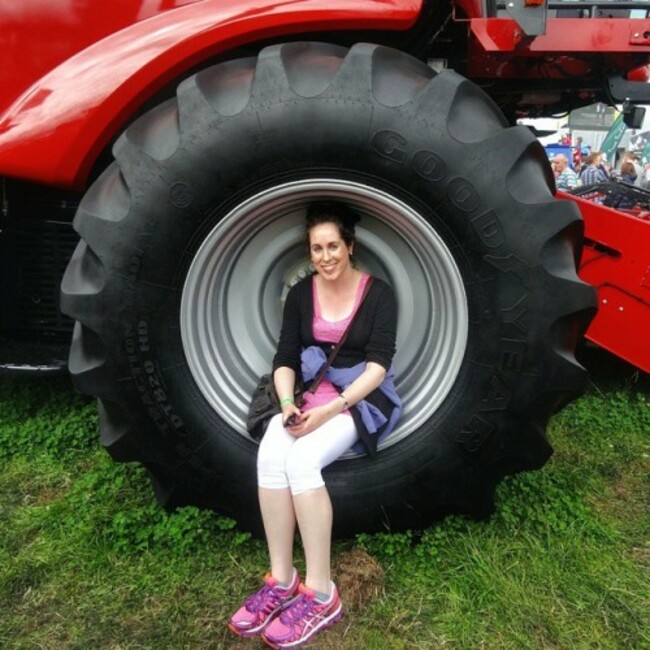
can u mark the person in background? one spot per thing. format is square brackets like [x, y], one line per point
[633, 159]
[593, 171]
[577, 153]
[618, 199]
[628, 172]
[645, 183]
[565, 177]
[605, 166]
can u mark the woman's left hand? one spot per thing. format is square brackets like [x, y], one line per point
[310, 420]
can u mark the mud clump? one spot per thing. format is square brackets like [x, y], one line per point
[359, 577]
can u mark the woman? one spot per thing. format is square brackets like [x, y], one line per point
[355, 404]
[619, 199]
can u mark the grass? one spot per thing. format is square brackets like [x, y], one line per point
[88, 560]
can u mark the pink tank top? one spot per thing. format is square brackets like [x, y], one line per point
[329, 332]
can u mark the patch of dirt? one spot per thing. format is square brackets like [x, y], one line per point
[359, 578]
[641, 555]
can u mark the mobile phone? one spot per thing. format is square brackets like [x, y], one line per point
[291, 420]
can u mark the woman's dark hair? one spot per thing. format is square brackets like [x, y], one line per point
[627, 169]
[339, 214]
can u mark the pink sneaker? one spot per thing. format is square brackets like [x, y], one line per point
[302, 619]
[259, 609]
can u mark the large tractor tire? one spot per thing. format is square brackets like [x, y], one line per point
[191, 238]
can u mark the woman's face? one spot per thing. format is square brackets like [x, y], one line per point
[329, 253]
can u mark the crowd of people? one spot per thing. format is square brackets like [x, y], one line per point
[593, 169]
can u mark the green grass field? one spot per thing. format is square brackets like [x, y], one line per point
[87, 559]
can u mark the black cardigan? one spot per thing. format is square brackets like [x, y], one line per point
[371, 338]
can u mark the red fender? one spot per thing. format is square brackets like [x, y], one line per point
[55, 130]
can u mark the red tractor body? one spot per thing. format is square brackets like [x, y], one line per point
[75, 74]
[185, 140]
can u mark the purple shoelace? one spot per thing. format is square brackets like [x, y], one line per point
[260, 600]
[298, 610]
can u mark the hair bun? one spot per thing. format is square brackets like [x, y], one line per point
[320, 211]
[352, 217]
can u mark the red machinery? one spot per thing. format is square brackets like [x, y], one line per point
[188, 137]
[616, 260]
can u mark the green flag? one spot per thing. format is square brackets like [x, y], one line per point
[612, 139]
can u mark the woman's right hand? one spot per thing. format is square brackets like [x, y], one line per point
[290, 415]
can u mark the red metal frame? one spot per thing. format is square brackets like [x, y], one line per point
[499, 49]
[55, 130]
[616, 260]
[564, 35]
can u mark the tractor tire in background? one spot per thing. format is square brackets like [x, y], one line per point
[191, 238]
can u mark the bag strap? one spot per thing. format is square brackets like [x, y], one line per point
[326, 366]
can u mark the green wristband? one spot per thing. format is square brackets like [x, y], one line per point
[286, 400]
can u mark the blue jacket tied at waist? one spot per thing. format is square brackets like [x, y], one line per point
[312, 360]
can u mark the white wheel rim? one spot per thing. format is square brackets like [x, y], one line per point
[232, 298]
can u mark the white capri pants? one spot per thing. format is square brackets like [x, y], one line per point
[296, 463]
